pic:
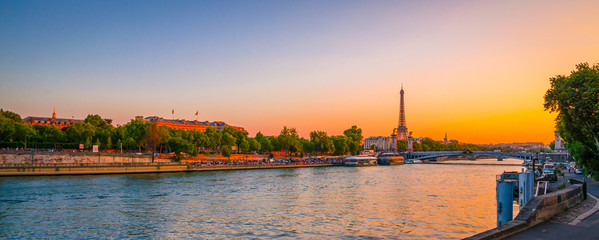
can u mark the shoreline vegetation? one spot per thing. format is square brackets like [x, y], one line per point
[142, 137]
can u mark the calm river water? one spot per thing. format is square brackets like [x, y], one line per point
[414, 201]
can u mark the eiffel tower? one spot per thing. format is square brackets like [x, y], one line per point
[402, 129]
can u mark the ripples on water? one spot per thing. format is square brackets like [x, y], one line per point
[408, 201]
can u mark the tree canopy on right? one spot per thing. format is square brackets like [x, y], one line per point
[575, 99]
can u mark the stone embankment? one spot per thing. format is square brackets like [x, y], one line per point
[539, 209]
[26, 157]
[28, 163]
[123, 168]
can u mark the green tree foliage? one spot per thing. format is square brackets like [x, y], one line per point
[7, 130]
[95, 120]
[289, 140]
[322, 142]
[254, 145]
[179, 146]
[245, 146]
[265, 145]
[228, 140]
[165, 133]
[10, 116]
[226, 151]
[575, 99]
[153, 138]
[136, 131]
[341, 145]
[80, 132]
[213, 138]
[354, 139]
[402, 145]
[307, 146]
[23, 132]
[416, 147]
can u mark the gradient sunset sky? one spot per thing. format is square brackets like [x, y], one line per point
[477, 70]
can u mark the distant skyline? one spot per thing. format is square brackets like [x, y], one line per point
[477, 70]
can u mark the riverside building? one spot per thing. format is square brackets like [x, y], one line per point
[187, 124]
[51, 121]
[381, 143]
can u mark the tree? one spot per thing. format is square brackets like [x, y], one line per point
[226, 151]
[95, 120]
[322, 142]
[228, 140]
[254, 145]
[53, 134]
[7, 130]
[402, 145]
[341, 146]
[328, 146]
[245, 146]
[213, 138]
[23, 132]
[265, 145]
[11, 116]
[354, 139]
[179, 145]
[416, 147]
[136, 130]
[165, 133]
[153, 138]
[307, 146]
[289, 140]
[575, 99]
[80, 132]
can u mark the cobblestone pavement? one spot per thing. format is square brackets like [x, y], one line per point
[569, 216]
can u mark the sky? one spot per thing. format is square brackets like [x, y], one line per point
[476, 70]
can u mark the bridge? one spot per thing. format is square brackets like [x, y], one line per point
[469, 154]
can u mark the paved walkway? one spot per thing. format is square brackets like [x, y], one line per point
[586, 229]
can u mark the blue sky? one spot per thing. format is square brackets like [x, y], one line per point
[314, 65]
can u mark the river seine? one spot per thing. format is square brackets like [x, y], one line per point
[416, 201]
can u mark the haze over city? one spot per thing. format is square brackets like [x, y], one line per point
[476, 70]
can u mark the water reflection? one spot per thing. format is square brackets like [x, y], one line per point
[408, 202]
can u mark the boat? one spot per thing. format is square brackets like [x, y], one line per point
[413, 161]
[390, 159]
[360, 161]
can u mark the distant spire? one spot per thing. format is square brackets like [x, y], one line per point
[54, 113]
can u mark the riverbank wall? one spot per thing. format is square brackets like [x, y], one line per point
[40, 157]
[539, 209]
[126, 168]
[73, 158]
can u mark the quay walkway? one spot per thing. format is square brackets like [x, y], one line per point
[588, 228]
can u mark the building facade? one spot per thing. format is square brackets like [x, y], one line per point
[187, 124]
[381, 143]
[51, 121]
